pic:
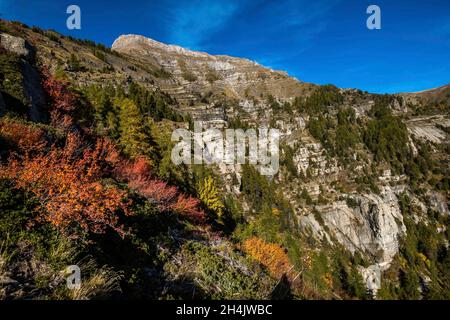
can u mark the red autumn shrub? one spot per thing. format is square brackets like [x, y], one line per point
[188, 206]
[139, 176]
[68, 187]
[62, 101]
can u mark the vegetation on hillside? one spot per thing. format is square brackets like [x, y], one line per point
[94, 185]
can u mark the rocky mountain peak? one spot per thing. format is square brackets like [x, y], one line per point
[194, 74]
[134, 41]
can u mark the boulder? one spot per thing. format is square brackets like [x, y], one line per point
[17, 45]
[372, 276]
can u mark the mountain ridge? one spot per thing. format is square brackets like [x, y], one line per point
[202, 71]
[122, 43]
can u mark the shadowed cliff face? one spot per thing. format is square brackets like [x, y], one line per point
[24, 54]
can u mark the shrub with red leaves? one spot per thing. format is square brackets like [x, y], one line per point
[67, 183]
[62, 101]
[139, 176]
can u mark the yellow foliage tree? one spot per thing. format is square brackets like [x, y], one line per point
[270, 255]
[133, 128]
[209, 195]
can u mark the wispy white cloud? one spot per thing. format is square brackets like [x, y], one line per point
[285, 29]
[192, 22]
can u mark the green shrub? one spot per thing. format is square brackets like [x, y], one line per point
[222, 274]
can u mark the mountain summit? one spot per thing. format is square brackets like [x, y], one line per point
[131, 42]
[195, 73]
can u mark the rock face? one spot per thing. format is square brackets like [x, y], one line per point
[372, 275]
[312, 157]
[17, 45]
[31, 78]
[125, 41]
[371, 226]
[438, 202]
[429, 128]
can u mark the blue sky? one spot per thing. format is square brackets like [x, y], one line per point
[321, 41]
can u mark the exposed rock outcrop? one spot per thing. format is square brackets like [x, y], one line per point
[17, 45]
[312, 157]
[193, 72]
[372, 275]
[372, 226]
[438, 202]
[429, 128]
[31, 78]
[124, 41]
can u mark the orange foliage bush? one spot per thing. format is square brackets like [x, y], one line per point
[270, 255]
[66, 181]
[25, 138]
